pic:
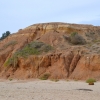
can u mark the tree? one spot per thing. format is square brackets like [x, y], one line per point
[4, 35]
[7, 33]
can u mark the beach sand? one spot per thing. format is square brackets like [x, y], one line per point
[48, 90]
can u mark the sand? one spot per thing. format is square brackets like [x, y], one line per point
[48, 90]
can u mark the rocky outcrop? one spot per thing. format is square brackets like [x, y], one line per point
[66, 65]
[64, 61]
[57, 65]
[87, 67]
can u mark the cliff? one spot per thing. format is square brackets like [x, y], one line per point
[61, 50]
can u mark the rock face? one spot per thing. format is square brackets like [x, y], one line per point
[66, 60]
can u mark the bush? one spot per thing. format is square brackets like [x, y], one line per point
[90, 80]
[10, 79]
[73, 34]
[12, 61]
[77, 39]
[45, 76]
[33, 48]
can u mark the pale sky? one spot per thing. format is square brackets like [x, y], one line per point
[18, 14]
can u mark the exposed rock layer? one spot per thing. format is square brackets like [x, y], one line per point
[65, 61]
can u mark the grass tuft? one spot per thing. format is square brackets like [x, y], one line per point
[55, 80]
[45, 76]
[90, 80]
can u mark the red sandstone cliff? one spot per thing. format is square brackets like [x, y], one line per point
[66, 60]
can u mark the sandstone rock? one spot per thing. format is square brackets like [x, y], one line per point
[65, 61]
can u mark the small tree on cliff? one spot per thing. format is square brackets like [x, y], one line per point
[4, 35]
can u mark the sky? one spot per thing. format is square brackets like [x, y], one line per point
[18, 14]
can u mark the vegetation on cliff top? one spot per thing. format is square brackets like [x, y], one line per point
[4, 35]
[33, 48]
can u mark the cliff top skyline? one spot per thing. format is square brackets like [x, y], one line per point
[15, 15]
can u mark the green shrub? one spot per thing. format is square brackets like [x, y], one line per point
[45, 76]
[73, 34]
[90, 80]
[33, 48]
[12, 61]
[10, 79]
[75, 38]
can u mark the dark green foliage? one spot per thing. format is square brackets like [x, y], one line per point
[33, 48]
[76, 39]
[4, 35]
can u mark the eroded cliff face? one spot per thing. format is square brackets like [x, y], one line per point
[64, 61]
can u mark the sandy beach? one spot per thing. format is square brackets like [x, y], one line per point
[48, 90]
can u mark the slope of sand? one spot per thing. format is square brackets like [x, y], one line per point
[48, 90]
